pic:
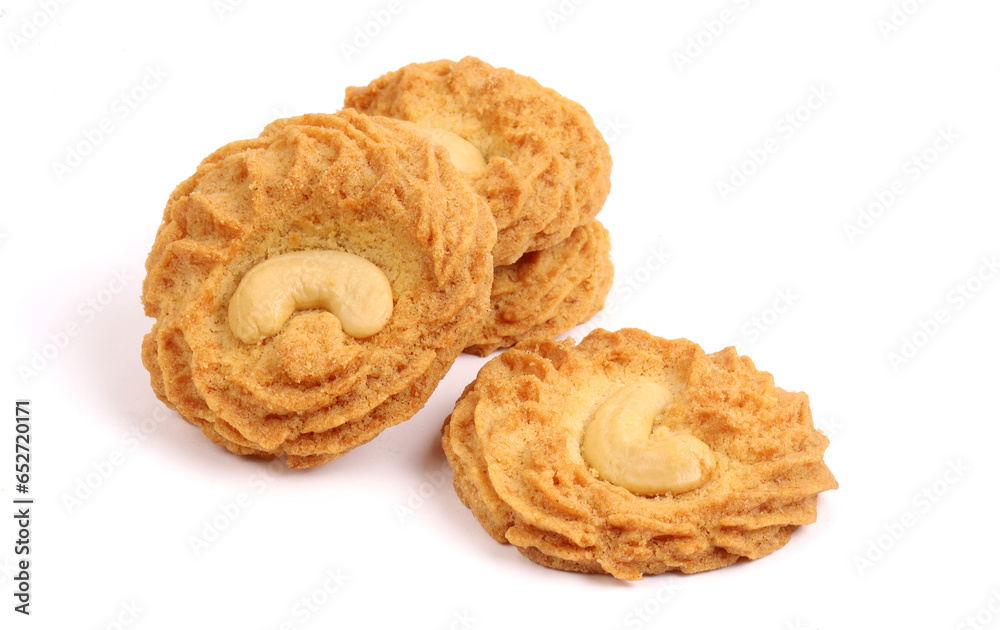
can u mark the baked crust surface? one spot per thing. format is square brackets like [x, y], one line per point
[548, 292]
[548, 167]
[346, 182]
[514, 443]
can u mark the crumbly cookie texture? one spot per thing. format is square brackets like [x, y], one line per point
[515, 443]
[547, 166]
[342, 182]
[548, 292]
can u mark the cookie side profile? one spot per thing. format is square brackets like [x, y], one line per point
[547, 292]
[311, 286]
[545, 168]
[632, 455]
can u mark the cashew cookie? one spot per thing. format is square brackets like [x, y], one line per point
[311, 286]
[544, 167]
[548, 292]
[632, 455]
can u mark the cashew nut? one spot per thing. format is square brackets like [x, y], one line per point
[466, 157]
[350, 287]
[618, 444]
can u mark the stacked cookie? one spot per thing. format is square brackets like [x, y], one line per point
[545, 172]
[313, 285]
[548, 292]
[245, 243]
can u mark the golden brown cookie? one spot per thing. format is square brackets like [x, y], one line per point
[311, 286]
[547, 168]
[548, 292]
[548, 439]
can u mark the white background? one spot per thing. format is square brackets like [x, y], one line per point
[685, 95]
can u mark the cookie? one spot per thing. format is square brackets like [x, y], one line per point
[544, 169]
[311, 286]
[547, 292]
[632, 455]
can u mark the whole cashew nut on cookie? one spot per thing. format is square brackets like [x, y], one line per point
[619, 445]
[350, 287]
[463, 154]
